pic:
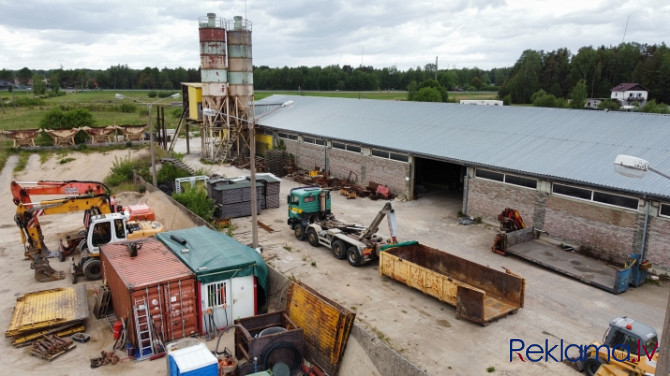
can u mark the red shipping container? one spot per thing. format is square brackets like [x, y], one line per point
[155, 278]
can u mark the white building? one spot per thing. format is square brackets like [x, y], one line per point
[628, 93]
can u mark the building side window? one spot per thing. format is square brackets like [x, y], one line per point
[347, 147]
[518, 180]
[380, 153]
[399, 157]
[567, 190]
[665, 210]
[339, 145]
[312, 140]
[353, 148]
[606, 198]
[595, 196]
[287, 136]
[486, 174]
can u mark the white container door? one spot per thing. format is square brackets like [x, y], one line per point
[243, 297]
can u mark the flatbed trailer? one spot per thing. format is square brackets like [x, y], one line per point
[525, 243]
[479, 293]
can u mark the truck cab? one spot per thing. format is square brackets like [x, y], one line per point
[307, 205]
[627, 344]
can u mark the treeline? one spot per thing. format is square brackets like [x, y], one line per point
[558, 74]
[330, 78]
[592, 72]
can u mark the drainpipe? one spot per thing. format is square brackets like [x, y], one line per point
[643, 247]
[466, 189]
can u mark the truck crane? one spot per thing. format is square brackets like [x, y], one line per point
[310, 217]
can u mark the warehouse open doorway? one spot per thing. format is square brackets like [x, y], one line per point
[438, 179]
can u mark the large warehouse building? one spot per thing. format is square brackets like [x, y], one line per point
[555, 166]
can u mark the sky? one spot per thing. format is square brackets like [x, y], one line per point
[93, 34]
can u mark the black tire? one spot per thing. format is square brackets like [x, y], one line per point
[92, 269]
[299, 231]
[312, 237]
[353, 256]
[591, 366]
[82, 246]
[339, 249]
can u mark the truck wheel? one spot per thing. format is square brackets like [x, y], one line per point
[299, 232]
[353, 256]
[591, 366]
[92, 269]
[312, 237]
[339, 250]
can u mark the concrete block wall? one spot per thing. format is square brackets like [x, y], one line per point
[487, 199]
[340, 162]
[607, 232]
[658, 244]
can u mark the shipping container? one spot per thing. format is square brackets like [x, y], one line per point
[153, 284]
[479, 293]
[231, 278]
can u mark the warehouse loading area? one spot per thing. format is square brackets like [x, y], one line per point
[393, 321]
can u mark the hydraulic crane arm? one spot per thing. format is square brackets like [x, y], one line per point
[387, 210]
[21, 191]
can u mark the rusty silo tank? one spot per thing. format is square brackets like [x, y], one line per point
[241, 71]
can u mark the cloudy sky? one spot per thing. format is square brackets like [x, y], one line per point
[49, 34]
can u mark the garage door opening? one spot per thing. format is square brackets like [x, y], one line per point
[438, 179]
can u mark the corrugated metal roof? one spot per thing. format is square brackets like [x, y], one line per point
[570, 145]
[153, 264]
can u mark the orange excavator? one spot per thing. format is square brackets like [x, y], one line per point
[88, 196]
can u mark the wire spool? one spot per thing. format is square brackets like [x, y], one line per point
[271, 330]
[281, 352]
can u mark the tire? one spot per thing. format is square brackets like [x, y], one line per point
[312, 237]
[353, 256]
[82, 246]
[92, 269]
[591, 366]
[299, 232]
[339, 250]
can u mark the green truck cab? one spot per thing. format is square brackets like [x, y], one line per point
[307, 205]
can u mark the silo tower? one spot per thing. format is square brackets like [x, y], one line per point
[214, 78]
[240, 80]
[227, 85]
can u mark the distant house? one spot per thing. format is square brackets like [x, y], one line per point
[628, 93]
[5, 84]
[482, 102]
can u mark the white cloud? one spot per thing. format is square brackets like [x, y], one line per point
[45, 34]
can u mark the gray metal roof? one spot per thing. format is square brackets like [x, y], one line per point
[558, 144]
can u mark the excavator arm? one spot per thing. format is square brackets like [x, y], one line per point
[21, 191]
[26, 219]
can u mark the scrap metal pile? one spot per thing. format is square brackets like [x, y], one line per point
[347, 187]
[49, 347]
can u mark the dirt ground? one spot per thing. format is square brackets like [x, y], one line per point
[417, 326]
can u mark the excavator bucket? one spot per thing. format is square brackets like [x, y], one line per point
[44, 272]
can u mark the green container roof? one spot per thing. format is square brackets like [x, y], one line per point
[214, 256]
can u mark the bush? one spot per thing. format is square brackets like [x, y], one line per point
[128, 108]
[122, 171]
[196, 200]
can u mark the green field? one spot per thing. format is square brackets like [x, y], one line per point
[106, 109]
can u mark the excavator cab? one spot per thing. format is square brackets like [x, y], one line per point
[628, 346]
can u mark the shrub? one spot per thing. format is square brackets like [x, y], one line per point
[122, 171]
[196, 200]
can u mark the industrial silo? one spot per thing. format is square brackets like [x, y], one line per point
[214, 78]
[241, 71]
